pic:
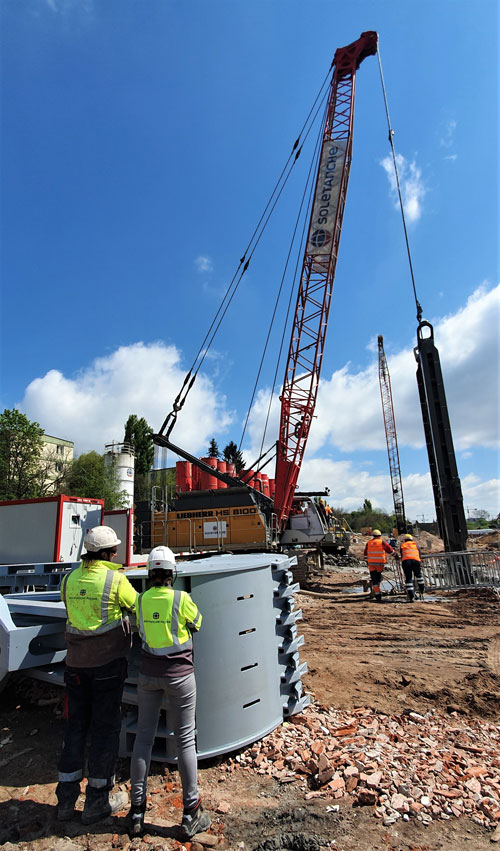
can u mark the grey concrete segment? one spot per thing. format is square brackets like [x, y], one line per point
[246, 655]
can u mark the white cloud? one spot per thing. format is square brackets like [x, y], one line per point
[81, 9]
[481, 494]
[349, 419]
[204, 264]
[447, 139]
[349, 412]
[412, 186]
[350, 485]
[92, 407]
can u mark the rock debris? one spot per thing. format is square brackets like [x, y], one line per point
[404, 766]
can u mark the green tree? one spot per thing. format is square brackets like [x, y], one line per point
[367, 516]
[20, 449]
[139, 435]
[213, 449]
[90, 476]
[233, 455]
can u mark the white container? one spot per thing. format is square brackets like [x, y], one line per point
[48, 529]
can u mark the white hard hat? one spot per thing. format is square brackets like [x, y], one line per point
[161, 558]
[100, 538]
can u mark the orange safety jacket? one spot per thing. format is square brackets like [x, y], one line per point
[375, 554]
[409, 549]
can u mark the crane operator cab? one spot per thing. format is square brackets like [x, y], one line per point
[308, 525]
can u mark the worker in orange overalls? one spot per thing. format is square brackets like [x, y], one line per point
[375, 555]
[412, 567]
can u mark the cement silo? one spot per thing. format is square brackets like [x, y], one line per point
[121, 456]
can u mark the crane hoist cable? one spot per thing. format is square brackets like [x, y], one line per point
[394, 159]
[398, 184]
[244, 262]
[314, 164]
[309, 184]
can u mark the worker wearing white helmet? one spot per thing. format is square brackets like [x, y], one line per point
[375, 555]
[166, 619]
[98, 639]
[412, 567]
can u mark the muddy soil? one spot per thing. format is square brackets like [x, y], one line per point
[443, 654]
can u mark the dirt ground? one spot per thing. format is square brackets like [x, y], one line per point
[441, 655]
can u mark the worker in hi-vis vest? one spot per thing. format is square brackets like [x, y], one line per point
[412, 567]
[98, 638]
[375, 556]
[166, 619]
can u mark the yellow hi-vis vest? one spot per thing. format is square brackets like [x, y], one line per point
[409, 549]
[94, 597]
[165, 619]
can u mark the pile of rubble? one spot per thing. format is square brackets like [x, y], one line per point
[405, 766]
[347, 560]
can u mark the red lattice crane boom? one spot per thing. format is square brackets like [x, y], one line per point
[392, 439]
[300, 386]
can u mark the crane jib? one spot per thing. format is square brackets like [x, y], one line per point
[305, 355]
[326, 200]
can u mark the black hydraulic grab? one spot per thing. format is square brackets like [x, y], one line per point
[443, 466]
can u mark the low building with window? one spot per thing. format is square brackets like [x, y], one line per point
[56, 454]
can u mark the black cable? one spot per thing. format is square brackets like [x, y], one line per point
[298, 265]
[391, 142]
[280, 289]
[245, 261]
[257, 239]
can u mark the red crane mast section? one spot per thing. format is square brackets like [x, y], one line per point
[391, 437]
[302, 374]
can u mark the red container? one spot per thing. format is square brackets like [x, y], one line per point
[222, 468]
[184, 476]
[208, 482]
[231, 469]
[272, 488]
[248, 477]
[196, 478]
[265, 484]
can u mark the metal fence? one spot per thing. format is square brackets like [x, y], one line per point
[461, 570]
[450, 571]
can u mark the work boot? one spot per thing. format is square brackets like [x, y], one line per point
[67, 796]
[194, 821]
[136, 819]
[102, 807]
[65, 812]
[378, 598]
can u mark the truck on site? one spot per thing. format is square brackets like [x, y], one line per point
[216, 509]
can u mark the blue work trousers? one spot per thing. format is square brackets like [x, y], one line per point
[93, 707]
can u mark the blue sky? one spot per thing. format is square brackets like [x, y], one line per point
[141, 141]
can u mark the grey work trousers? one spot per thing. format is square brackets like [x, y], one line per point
[181, 694]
